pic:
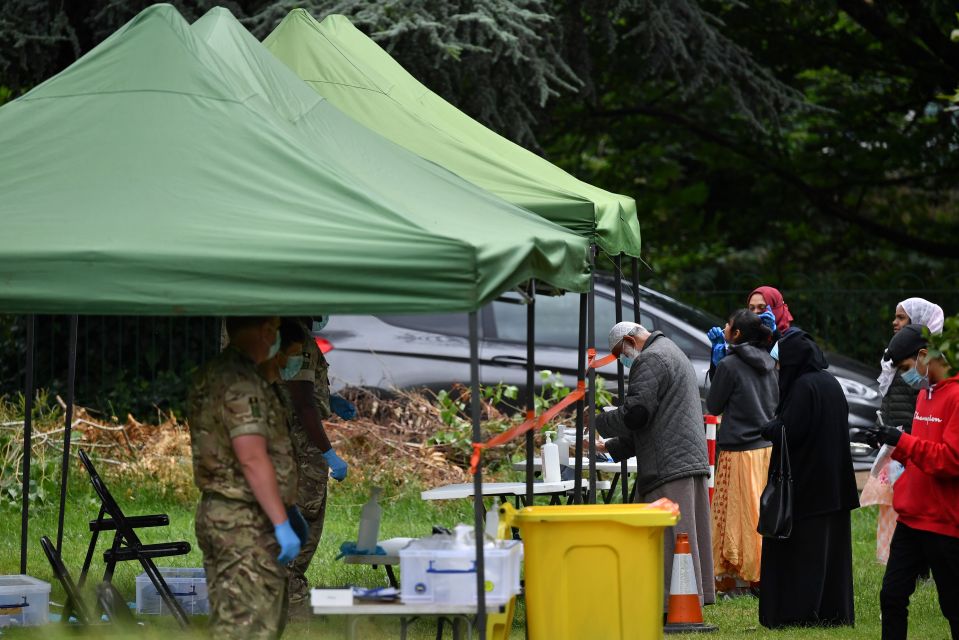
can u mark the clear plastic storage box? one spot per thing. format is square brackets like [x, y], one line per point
[24, 601]
[188, 587]
[431, 571]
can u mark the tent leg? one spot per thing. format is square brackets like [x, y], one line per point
[478, 511]
[27, 445]
[591, 387]
[580, 405]
[635, 275]
[530, 384]
[620, 373]
[67, 428]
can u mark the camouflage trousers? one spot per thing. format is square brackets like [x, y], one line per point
[247, 587]
[313, 473]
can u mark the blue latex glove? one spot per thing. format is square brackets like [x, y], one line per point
[338, 466]
[289, 542]
[342, 407]
[768, 319]
[718, 353]
[299, 524]
[716, 336]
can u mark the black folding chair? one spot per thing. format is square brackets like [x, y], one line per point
[127, 546]
[74, 605]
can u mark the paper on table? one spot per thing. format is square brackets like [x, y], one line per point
[609, 408]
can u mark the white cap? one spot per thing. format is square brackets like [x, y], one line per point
[620, 331]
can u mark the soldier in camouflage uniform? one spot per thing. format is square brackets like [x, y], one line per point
[244, 466]
[310, 391]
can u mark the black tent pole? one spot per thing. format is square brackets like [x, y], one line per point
[580, 405]
[635, 275]
[530, 384]
[478, 511]
[67, 428]
[27, 445]
[620, 373]
[591, 387]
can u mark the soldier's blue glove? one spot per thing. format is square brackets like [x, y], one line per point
[718, 353]
[342, 407]
[768, 319]
[299, 524]
[289, 542]
[716, 336]
[338, 466]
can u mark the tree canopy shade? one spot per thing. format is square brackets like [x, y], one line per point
[355, 74]
[148, 178]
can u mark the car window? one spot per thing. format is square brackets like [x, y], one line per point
[450, 324]
[691, 346]
[557, 320]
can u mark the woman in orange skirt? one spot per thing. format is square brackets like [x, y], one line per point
[745, 391]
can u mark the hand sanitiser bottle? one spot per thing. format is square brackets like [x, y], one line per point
[550, 455]
[369, 532]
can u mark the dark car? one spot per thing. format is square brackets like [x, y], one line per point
[415, 351]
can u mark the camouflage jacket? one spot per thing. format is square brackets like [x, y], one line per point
[229, 399]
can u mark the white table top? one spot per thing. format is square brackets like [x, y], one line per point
[360, 608]
[465, 490]
[391, 547]
[605, 467]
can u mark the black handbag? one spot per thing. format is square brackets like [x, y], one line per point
[776, 502]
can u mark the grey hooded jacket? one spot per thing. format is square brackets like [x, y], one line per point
[745, 390]
[661, 421]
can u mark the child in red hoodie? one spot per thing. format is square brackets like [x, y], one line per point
[927, 494]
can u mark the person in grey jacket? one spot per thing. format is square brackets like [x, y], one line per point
[745, 391]
[661, 423]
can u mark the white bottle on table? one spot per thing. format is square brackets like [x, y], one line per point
[369, 531]
[550, 454]
[563, 446]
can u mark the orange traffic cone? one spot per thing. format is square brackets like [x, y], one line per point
[685, 612]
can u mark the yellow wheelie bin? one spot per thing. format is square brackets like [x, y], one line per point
[593, 571]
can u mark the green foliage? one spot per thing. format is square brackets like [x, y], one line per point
[45, 456]
[454, 411]
[945, 344]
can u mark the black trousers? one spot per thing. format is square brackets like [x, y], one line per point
[910, 552]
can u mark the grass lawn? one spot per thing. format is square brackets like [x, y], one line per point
[404, 515]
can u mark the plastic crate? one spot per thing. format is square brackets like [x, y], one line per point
[24, 601]
[188, 587]
[448, 576]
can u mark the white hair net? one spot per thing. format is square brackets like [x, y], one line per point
[621, 330]
[921, 312]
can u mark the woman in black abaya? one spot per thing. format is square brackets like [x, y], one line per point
[807, 578]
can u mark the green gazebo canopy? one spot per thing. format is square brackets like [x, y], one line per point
[355, 74]
[148, 178]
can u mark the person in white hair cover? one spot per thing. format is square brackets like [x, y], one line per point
[898, 407]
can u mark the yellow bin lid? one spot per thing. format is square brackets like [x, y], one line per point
[657, 514]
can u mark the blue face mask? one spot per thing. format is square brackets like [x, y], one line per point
[626, 360]
[774, 352]
[914, 380]
[293, 366]
[275, 349]
[319, 325]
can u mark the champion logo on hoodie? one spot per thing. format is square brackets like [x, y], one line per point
[926, 418]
